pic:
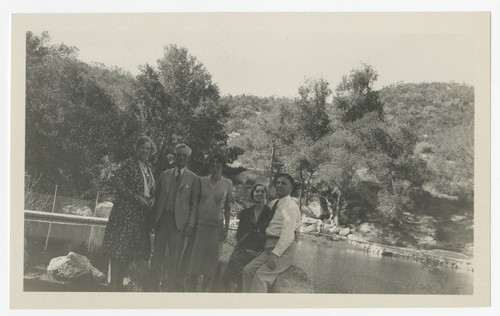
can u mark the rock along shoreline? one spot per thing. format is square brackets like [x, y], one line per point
[393, 251]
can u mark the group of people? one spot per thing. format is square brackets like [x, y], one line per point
[189, 218]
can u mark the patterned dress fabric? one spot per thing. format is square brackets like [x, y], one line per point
[127, 233]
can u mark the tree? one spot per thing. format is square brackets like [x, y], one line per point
[339, 174]
[82, 120]
[313, 124]
[442, 115]
[453, 163]
[280, 128]
[118, 83]
[389, 156]
[155, 112]
[306, 158]
[71, 121]
[180, 103]
[385, 153]
[355, 97]
[313, 119]
[185, 78]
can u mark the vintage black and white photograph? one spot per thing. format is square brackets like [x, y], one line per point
[312, 153]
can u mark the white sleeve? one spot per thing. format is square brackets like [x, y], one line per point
[288, 230]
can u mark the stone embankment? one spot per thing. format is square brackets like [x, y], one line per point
[312, 229]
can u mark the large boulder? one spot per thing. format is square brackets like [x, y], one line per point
[74, 268]
[250, 177]
[469, 249]
[293, 280]
[311, 210]
[308, 220]
[77, 209]
[365, 228]
[457, 218]
[334, 229]
[103, 209]
[344, 231]
[308, 229]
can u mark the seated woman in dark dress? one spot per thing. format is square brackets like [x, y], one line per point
[251, 237]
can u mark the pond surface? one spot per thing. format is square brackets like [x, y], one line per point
[334, 267]
[338, 267]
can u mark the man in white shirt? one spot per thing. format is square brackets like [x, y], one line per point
[280, 248]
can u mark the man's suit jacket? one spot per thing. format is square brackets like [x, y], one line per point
[186, 199]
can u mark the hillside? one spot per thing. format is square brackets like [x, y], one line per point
[431, 108]
[441, 116]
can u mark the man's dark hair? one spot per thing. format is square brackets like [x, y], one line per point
[285, 175]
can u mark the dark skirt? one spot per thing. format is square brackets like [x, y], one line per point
[239, 259]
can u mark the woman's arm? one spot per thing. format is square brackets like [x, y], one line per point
[264, 220]
[242, 225]
[124, 181]
[227, 209]
[193, 207]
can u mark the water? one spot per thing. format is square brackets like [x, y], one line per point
[64, 238]
[334, 267]
[338, 267]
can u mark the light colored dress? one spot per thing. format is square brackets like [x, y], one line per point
[210, 223]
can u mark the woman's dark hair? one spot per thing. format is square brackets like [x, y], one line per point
[218, 158]
[255, 188]
[285, 175]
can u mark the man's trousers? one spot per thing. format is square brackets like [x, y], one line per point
[258, 277]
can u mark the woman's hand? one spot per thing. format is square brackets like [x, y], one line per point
[223, 234]
[151, 203]
[188, 231]
[252, 252]
[143, 202]
[152, 224]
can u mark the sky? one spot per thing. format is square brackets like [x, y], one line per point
[268, 54]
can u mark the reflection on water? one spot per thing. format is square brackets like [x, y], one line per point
[334, 267]
[337, 267]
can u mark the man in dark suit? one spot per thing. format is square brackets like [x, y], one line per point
[174, 218]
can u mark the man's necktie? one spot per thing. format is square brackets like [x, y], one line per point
[177, 175]
[273, 209]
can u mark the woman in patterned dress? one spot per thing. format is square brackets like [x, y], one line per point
[212, 224]
[127, 234]
[250, 237]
